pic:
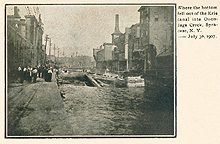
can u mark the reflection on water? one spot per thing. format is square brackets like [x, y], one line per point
[114, 111]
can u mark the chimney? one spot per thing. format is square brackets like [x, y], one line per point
[117, 24]
[16, 11]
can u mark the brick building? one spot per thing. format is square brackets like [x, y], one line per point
[104, 56]
[145, 46]
[24, 38]
[156, 35]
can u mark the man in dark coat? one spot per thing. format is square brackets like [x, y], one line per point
[49, 75]
[39, 71]
[34, 74]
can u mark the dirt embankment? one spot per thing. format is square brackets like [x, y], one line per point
[45, 114]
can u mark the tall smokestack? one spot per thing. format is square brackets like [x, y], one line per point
[117, 24]
[16, 11]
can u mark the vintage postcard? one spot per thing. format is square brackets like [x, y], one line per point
[110, 71]
[91, 70]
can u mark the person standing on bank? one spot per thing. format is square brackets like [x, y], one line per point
[57, 72]
[49, 75]
[34, 74]
[29, 74]
[45, 73]
[39, 71]
[25, 73]
[20, 74]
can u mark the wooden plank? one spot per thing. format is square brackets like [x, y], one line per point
[93, 81]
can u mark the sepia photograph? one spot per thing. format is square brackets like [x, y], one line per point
[90, 70]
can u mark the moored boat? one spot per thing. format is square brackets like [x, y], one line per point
[135, 81]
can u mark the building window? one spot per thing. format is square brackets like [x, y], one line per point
[156, 17]
[166, 34]
[138, 32]
[147, 18]
[142, 34]
[16, 25]
[146, 15]
[146, 33]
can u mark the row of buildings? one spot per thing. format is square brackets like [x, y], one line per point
[76, 62]
[143, 47]
[24, 38]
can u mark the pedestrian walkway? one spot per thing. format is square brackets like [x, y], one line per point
[35, 109]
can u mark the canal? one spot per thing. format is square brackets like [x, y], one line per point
[118, 111]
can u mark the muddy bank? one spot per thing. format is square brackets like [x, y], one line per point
[43, 116]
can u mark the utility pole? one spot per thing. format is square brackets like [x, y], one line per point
[58, 51]
[50, 48]
[57, 59]
[54, 48]
[46, 48]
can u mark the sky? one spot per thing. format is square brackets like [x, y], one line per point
[82, 28]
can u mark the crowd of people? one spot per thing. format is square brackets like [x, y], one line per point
[30, 74]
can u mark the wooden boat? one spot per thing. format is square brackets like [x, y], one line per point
[135, 81]
[112, 79]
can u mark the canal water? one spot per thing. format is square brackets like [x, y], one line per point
[116, 111]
